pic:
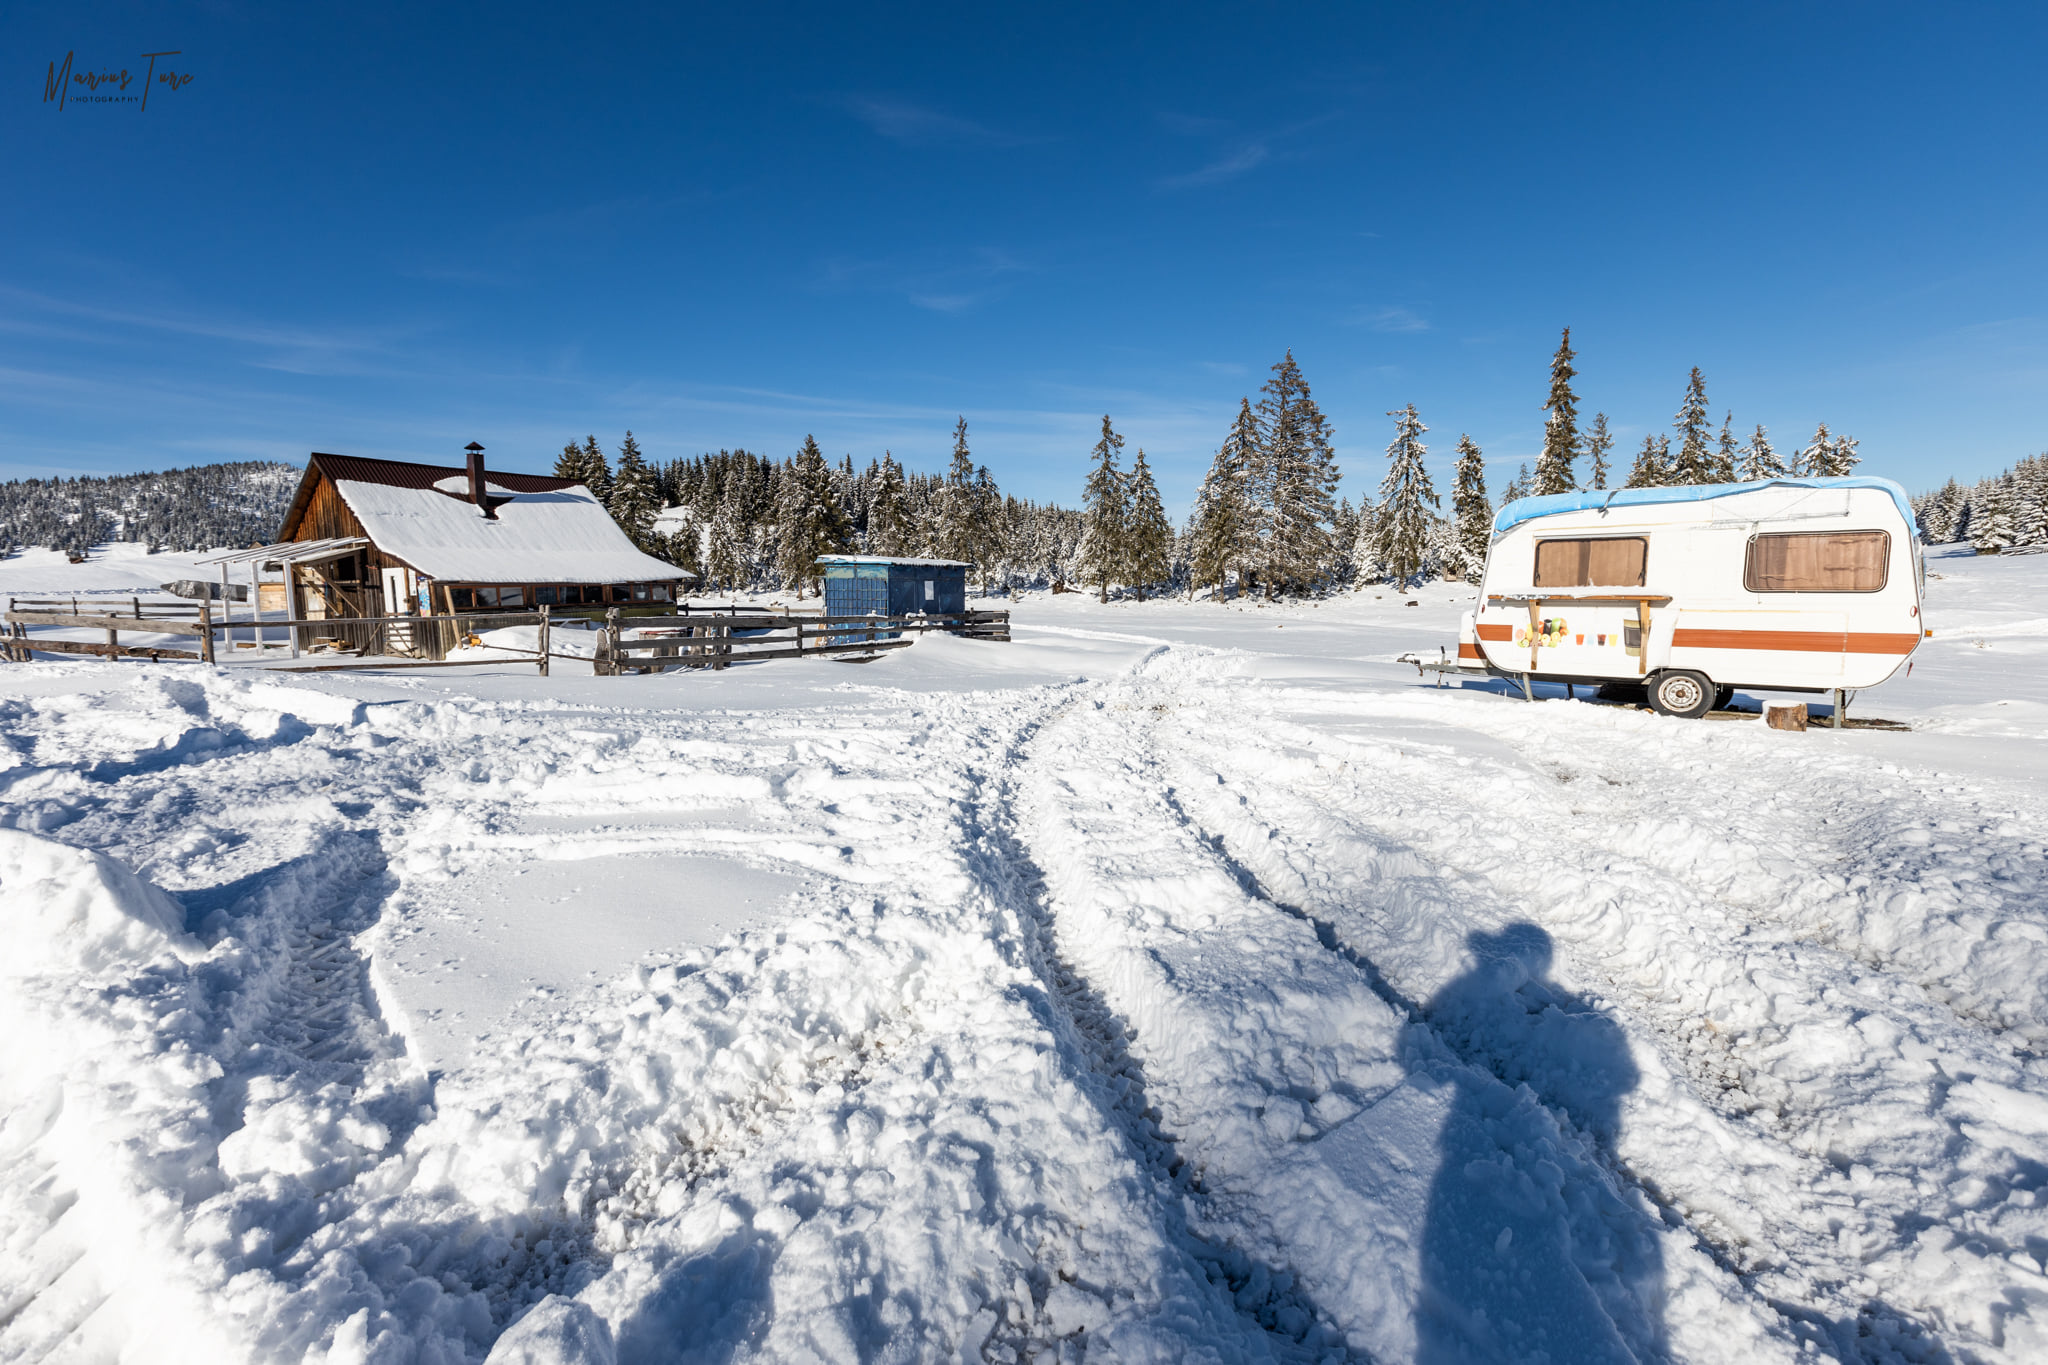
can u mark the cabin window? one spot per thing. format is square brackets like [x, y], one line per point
[931, 590]
[1817, 561]
[657, 592]
[547, 595]
[1609, 562]
[584, 594]
[462, 599]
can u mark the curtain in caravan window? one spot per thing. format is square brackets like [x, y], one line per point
[1609, 562]
[1818, 561]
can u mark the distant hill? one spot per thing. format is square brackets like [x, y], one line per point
[200, 508]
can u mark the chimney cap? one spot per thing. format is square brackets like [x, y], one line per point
[472, 446]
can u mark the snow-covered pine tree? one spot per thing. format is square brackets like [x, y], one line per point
[1148, 537]
[809, 517]
[635, 494]
[1695, 462]
[1759, 460]
[1225, 528]
[724, 557]
[1407, 500]
[1561, 428]
[1936, 514]
[991, 538]
[1993, 528]
[1650, 469]
[597, 472]
[889, 511]
[1106, 505]
[954, 532]
[1472, 514]
[1519, 486]
[1598, 442]
[1724, 457]
[2030, 478]
[569, 464]
[1838, 457]
[1813, 461]
[1300, 480]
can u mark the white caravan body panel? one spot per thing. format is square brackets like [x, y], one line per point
[1808, 584]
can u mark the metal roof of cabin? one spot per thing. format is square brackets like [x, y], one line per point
[405, 474]
[1513, 514]
[895, 560]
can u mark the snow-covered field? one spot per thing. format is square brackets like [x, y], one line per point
[1176, 983]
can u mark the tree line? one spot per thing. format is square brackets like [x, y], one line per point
[2007, 511]
[200, 508]
[748, 522]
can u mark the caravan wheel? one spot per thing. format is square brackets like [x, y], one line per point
[1681, 693]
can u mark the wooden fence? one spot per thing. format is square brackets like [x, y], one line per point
[634, 641]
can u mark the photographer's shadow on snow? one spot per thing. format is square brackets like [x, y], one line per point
[1531, 1249]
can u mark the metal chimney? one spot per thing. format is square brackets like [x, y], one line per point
[476, 479]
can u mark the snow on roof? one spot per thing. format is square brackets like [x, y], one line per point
[1597, 499]
[562, 535]
[895, 559]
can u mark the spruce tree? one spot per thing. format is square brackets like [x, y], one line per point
[1695, 463]
[1993, 524]
[810, 518]
[635, 494]
[889, 511]
[989, 528]
[1724, 457]
[1299, 469]
[1225, 522]
[569, 464]
[1813, 461]
[1834, 457]
[1561, 428]
[1407, 499]
[1598, 442]
[1650, 470]
[1759, 460]
[597, 474]
[1518, 487]
[1107, 508]
[956, 531]
[723, 557]
[1471, 511]
[1148, 538]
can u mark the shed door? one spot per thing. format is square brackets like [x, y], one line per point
[398, 592]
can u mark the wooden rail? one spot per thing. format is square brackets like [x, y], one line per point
[686, 638]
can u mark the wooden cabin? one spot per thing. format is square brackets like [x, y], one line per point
[436, 539]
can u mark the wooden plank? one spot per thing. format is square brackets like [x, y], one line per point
[100, 650]
[372, 667]
[85, 622]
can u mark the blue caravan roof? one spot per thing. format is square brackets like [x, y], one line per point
[1593, 499]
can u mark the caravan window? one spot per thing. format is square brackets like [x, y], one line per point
[1611, 562]
[1818, 561]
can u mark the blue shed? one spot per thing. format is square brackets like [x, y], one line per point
[878, 585]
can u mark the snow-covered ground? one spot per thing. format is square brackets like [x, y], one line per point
[1178, 982]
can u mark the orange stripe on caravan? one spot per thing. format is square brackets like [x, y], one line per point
[1493, 632]
[1468, 650]
[1794, 641]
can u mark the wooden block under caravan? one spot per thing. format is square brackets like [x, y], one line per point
[1785, 715]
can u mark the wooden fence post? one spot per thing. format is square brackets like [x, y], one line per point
[545, 644]
[611, 642]
[205, 631]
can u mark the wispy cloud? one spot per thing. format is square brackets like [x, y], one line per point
[939, 282]
[916, 125]
[293, 348]
[1233, 163]
[1389, 319]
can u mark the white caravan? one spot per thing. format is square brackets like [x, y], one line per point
[1797, 585]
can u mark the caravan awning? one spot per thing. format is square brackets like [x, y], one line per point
[289, 552]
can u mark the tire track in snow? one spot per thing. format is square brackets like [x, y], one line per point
[1252, 1039]
[1270, 1296]
[1299, 831]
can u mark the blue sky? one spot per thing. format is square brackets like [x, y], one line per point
[393, 229]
